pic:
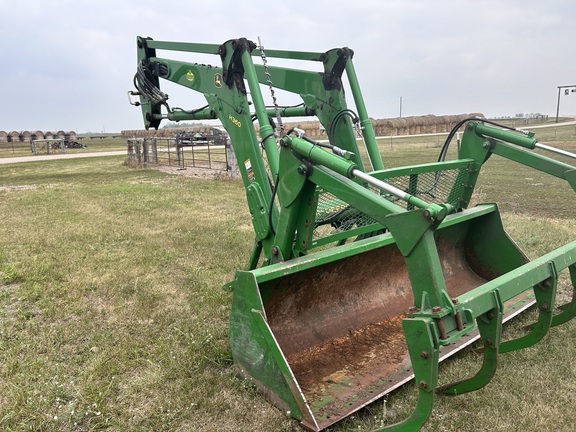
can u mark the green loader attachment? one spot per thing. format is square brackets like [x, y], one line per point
[360, 279]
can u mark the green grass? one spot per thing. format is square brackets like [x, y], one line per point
[113, 316]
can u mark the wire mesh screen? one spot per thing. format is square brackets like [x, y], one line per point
[434, 187]
[335, 216]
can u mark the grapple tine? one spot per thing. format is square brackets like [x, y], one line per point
[568, 309]
[490, 326]
[545, 294]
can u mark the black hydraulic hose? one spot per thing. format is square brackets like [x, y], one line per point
[336, 119]
[271, 207]
[194, 111]
[331, 218]
[444, 150]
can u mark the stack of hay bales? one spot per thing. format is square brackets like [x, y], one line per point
[27, 136]
[160, 133]
[427, 124]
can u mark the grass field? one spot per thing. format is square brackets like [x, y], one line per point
[113, 316]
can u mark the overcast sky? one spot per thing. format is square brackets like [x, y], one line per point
[68, 64]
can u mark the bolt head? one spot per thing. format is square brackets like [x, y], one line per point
[436, 309]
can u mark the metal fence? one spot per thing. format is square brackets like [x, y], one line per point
[182, 153]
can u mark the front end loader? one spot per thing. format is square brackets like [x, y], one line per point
[361, 277]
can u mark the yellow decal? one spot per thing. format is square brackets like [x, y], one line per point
[234, 120]
[218, 80]
[190, 76]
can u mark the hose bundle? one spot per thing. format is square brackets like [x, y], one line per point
[145, 83]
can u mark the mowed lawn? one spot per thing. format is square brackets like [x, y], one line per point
[113, 314]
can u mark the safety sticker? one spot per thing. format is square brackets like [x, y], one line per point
[249, 170]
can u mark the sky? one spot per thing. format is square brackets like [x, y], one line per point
[68, 64]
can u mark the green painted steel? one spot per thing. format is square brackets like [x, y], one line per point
[341, 251]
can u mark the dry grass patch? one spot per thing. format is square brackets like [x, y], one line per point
[113, 316]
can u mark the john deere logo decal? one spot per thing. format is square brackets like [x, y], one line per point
[190, 76]
[218, 80]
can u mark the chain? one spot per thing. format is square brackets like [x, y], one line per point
[280, 125]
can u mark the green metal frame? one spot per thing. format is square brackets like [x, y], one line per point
[282, 194]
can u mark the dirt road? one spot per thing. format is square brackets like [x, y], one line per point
[11, 160]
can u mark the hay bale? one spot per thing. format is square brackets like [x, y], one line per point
[411, 125]
[37, 135]
[390, 127]
[428, 124]
[25, 136]
[3, 136]
[14, 136]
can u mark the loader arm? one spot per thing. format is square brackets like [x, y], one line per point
[226, 90]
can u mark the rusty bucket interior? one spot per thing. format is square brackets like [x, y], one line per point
[338, 324]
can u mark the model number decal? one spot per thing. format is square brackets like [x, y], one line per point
[235, 120]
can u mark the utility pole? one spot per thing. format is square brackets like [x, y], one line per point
[567, 91]
[400, 106]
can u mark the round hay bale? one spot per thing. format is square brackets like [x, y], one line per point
[3, 136]
[48, 135]
[25, 136]
[402, 126]
[411, 125]
[451, 121]
[14, 136]
[389, 128]
[429, 124]
[37, 135]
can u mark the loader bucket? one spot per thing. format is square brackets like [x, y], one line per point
[322, 336]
